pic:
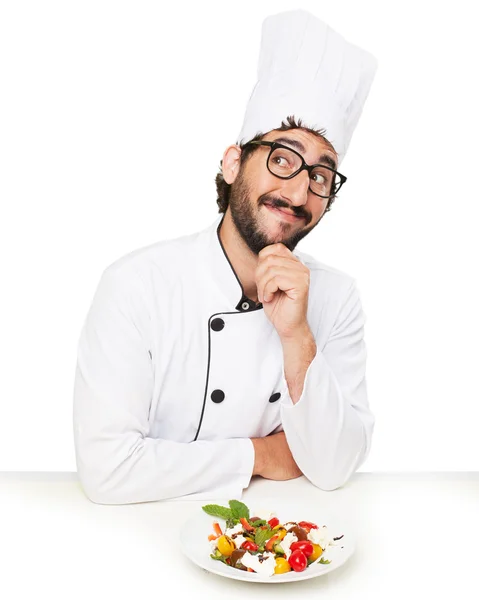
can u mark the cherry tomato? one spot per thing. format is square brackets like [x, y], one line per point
[305, 547]
[307, 525]
[226, 545]
[249, 545]
[273, 522]
[298, 560]
[317, 551]
[282, 566]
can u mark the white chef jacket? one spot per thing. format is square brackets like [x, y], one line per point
[177, 369]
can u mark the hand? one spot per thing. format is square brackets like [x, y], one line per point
[273, 458]
[282, 282]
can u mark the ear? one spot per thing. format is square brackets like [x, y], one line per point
[231, 163]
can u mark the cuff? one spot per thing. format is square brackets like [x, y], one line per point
[286, 400]
[242, 468]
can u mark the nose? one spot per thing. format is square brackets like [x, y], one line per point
[296, 189]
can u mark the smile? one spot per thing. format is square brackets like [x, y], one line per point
[282, 214]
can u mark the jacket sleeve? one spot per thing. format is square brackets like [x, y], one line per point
[329, 429]
[117, 461]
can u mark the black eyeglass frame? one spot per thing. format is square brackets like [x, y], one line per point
[304, 165]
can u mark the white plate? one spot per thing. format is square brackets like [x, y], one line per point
[195, 545]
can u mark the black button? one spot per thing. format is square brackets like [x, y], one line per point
[217, 324]
[217, 396]
[275, 397]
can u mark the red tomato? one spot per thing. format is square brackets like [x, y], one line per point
[249, 545]
[307, 525]
[305, 547]
[298, 561]
[273, 522]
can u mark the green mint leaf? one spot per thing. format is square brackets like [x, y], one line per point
[258, 522]
[263, 535]
[238, 509]
[217, 511]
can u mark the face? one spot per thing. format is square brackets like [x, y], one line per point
[258, 197]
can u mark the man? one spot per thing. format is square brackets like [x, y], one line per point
[213, 357]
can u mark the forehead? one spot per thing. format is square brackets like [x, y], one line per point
[313, 148]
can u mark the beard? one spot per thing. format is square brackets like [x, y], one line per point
[248, 222]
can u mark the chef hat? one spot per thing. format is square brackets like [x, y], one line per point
[308, 70]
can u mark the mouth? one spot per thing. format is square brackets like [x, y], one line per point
[283, 214]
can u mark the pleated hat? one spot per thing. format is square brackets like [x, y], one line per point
[308, 70]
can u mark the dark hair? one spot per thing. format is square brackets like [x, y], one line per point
[223, 189]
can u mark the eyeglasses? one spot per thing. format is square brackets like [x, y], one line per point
[286, 163]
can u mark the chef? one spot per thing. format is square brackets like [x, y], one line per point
[212, 357]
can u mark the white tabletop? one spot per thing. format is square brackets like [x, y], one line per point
[416, 533]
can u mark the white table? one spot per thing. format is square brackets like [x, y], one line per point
[417, 536]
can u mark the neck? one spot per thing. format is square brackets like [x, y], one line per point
[242, 260]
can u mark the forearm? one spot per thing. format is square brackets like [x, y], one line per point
[298, 353]
[273, 458]
[327, 420]
[122, 469]
[329, 430]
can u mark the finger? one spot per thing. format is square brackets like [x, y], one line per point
[274, 261]
[281, 258]
[270, 289]
[276, 279]
[265, 276]
[292, 284]
[279, 249]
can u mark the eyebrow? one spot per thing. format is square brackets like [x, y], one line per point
[324, 158]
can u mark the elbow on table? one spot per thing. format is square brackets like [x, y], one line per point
[103, 482]
[332, 476]
[98, 492]
[108, 472]
[328, 483]
[338, 470]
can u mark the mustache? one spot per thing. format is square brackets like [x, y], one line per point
[280, 204]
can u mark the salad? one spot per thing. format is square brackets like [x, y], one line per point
[262, 544]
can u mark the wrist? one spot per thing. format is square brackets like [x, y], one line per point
[299, 336]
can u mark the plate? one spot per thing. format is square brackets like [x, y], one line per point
[195, 545]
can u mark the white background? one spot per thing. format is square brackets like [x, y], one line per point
[114, 117]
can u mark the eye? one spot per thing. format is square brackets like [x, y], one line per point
[281, 161]
[318, 178]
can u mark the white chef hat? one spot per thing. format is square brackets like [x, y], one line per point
[308, 70]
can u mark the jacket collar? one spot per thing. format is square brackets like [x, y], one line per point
[224, 274]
